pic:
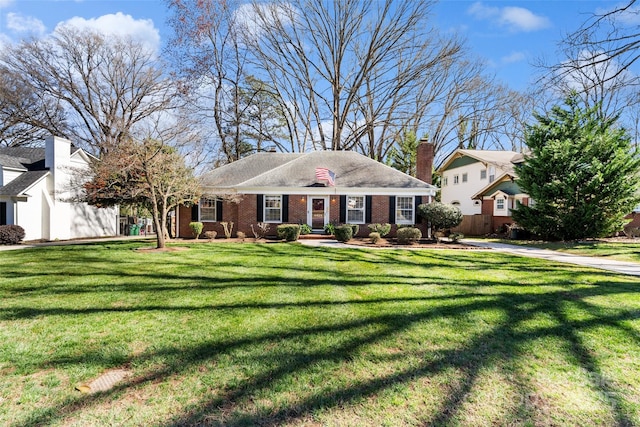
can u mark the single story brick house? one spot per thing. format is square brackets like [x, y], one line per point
[315, 188]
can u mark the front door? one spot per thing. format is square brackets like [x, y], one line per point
[318, 212]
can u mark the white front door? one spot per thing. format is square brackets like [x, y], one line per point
[317, 212]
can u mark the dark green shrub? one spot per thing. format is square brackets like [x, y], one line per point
[408, 235]
[441, 216]
[382, 229]
[196, 228]
[288, 232]
[329, 229]
[343, 233]
[454, 237]
[11, 234]
[375, 237]
[305, 229]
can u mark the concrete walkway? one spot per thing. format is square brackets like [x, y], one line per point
[629, 268]
[622, 267]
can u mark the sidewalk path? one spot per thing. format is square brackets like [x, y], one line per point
[622, 267]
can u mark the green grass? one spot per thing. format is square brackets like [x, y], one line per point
[283, 334]
[621, 251]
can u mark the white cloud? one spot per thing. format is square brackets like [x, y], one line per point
[513, 57]
[5, 3]
[120, 24]
[516, 19]
[25, 24]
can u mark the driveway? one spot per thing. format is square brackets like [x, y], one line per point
[621, 267]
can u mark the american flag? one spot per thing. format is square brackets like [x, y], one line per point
[324, 174]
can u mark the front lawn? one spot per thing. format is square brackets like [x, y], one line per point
[283, 334]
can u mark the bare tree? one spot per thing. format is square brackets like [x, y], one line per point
[104, 85]
[208, 51]
[347, 68]
[596, 63]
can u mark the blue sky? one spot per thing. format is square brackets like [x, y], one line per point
[508, 35]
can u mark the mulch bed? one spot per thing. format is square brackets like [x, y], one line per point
[422, 243]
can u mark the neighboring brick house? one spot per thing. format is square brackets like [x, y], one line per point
[279, 188]
[482, 182]
[36, 189]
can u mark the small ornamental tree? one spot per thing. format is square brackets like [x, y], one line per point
[582, 175]
[441, 216]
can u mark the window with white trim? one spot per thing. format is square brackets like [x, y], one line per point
[483, 174]
[207, 209]
[272, 208]
[445, 181]
[492, 174]
[465, 177]
[404, 210]
[500, 204]
[456, 179]
[355, 209]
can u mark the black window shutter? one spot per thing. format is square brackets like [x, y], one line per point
[3, 213]
[218, 210]
[392, 209]
[259, 207]
[285, 208]
[416, 217]
[343, 209]
[195, 212]
[368, 204]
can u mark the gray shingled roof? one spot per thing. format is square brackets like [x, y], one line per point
[352, 170]
[19, 185]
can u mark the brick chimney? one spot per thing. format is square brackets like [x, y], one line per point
[424, 161]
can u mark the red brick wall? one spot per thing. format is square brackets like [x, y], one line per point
[424, 161]
[244, 213]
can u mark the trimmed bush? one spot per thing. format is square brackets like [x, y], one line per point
[382, 229]
[288, 232]
[355, 228]
[408, 235]
[454, 237]
[211, 234]
[375, 237]
[196, 228]
[11, 234]
[240, 235]
[343, 233]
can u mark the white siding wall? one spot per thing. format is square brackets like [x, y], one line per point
[8, 175]
[462, 191]
[33, 214]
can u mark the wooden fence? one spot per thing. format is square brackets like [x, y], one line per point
[474, 225]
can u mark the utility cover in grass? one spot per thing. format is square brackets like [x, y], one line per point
[104, 382]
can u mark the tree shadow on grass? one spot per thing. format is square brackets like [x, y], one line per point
[280, 357]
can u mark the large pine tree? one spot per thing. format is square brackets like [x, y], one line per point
[582, 174]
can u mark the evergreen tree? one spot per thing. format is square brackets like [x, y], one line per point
[582, 175]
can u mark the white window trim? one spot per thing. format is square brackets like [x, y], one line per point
[214, 208]
[363, 210]
[456, 179]
[413, 205]
[483, 174]
[465, 177]
[504, 204]
[264, 209]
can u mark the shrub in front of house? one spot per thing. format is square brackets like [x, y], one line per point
[408, 235]
[305, 229]
[355, 228]
[329, 229]
[343, 233]
[196, 228]
[375, 237]
[11, 234]
[211, 234]
[382, 229]
[288, 232]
